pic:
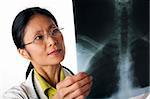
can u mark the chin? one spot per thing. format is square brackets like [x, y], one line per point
[57, 60]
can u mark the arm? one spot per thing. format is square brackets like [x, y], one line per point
[15, 93]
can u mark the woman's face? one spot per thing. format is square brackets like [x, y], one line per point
[47, 47]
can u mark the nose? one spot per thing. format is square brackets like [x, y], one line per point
[51, 41]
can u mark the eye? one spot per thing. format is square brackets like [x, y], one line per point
[39, 37]
[54, 32]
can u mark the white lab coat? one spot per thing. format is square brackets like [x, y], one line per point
[26, 89]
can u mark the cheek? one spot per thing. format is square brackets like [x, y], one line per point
[36, 52]
[61, 41]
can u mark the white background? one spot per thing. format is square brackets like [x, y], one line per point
[12, 65]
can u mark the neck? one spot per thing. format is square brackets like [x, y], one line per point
[50, 73]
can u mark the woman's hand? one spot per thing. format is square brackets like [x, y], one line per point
[74, 87]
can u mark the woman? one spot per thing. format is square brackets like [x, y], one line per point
[38, 38]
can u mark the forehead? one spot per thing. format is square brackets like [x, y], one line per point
[40, 20]
[38, 23]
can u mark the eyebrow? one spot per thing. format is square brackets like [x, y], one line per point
[49, 28]
[52, 26]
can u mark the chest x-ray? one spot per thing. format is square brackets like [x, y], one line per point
[112, 38]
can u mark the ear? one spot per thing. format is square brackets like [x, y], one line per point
[24, 53]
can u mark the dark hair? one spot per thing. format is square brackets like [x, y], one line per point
[20, 23]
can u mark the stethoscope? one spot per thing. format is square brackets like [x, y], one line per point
[34, 82]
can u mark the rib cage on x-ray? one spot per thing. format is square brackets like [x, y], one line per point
[113, 46]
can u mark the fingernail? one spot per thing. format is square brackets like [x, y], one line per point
[83, 74]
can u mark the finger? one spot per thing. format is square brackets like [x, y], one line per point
[67, 90]
[69, 80]
[89, 90]
[80, 76]
[65, 83]
[80, 97]
[81, 91]
[83, 96]
[79, 84]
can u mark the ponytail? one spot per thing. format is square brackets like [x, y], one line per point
[30, 67]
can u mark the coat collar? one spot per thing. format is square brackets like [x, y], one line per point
[31, 89]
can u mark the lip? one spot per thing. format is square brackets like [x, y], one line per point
[54, 52]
